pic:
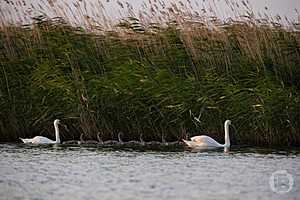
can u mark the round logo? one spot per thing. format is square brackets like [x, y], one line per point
[281, 182]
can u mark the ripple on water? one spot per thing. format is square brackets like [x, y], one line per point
[74, 172]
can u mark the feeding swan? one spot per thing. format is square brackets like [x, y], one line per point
[44, 140]
[206, 142]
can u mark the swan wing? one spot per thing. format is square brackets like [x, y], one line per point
[208, 141]
[38, 140]
[204, 141]
[198, 138]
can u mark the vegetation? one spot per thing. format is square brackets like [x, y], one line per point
[154, 80]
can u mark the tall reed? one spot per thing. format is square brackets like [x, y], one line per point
[152, 78]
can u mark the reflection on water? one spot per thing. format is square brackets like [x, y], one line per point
[86, 172]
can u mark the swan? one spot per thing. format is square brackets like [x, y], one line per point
[44, 140]
[135, 142]
[110, 142]
[132, 143]
[157, 143]
[142, 142]
[71, 142]
[153, 144]
[173, 144]
[99, 138]
[163, 140]
[119, 138]
[82, 141]
[206, 142]
[114, 142]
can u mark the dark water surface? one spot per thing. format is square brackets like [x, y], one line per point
[65, 172]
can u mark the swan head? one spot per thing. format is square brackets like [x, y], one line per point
[228, 122]
[56, 122]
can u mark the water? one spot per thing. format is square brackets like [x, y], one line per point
[64, 172]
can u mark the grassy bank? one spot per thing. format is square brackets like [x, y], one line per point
[153, 80]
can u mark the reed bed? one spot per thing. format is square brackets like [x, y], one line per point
[181, 76]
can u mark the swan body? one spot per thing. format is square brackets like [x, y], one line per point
[71, 142]
[110, 142]
[206, 142]
[82, 141]
[135, 142]
[114, 142]
[173, 144]
[132, 143]
[203, 141]
[44, 140]
[152, 144]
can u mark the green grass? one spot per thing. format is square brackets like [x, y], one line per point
[151, 83]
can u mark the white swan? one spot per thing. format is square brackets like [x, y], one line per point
[44, 140]
[206, 142]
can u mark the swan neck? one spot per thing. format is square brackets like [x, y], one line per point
[81, 137]
[141, 140]
[57, 138]
[99, 138]
[119, 138]
[227, 139]
[163, 140]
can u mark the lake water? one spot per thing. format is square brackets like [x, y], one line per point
[70, 172]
